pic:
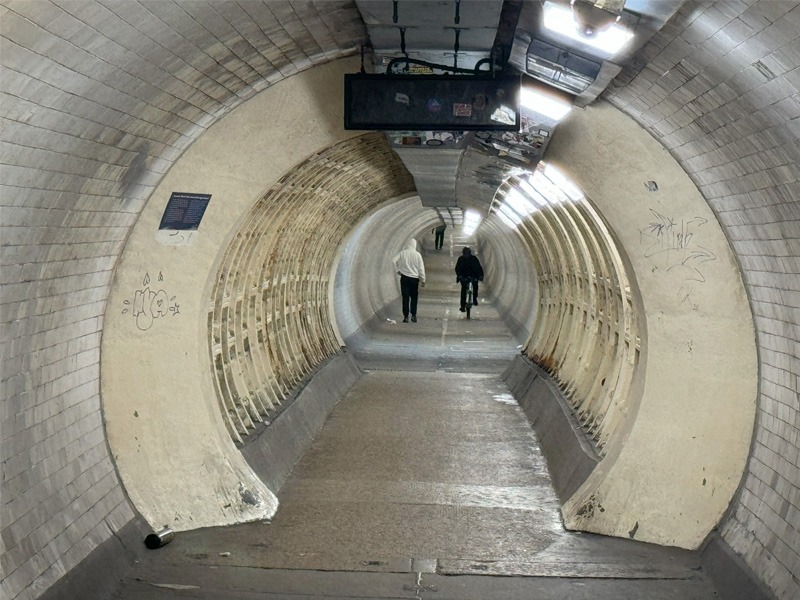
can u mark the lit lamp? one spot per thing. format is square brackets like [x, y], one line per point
[548, 105]
[471, 221]
[592, 18]
[589, 23]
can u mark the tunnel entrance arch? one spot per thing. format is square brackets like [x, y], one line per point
[676, 455]
[169, 438]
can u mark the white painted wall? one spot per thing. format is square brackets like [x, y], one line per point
[670, 476]
[513, 280]
[164, 426]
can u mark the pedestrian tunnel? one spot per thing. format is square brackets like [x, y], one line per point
[605, 260]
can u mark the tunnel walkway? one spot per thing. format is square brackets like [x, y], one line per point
[442, 339]
[425, 482]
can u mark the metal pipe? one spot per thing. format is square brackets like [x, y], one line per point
[159, 538]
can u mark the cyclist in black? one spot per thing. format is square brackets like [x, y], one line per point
[468, 267]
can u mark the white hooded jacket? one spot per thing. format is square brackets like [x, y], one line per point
[409, 262]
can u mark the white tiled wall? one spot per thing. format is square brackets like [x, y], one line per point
[720, 87]
[98, 99]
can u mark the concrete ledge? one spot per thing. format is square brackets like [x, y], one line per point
[570, 456]
[274, 451]
[99, 574]
[518, 330]
[732, 577]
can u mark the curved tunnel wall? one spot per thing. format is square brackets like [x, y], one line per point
[511, 277]
[272, 321]
[101, 98]
[252, 287]
[587, 330]
[365, 279]
[680, 449]
[719, 88]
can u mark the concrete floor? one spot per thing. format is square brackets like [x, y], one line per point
[426, 482]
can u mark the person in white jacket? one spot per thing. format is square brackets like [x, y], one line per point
[408, 264]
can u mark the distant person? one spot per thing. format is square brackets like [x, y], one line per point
[408, 264]
[468, 267]
[439, 239]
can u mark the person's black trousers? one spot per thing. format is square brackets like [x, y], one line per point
[409, 288]
[464, 285]
[439, 241]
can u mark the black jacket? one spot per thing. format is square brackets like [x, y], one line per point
[468, 266]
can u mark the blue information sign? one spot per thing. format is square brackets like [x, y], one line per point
[184, 210]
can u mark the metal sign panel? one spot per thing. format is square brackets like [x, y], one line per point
[184, 210]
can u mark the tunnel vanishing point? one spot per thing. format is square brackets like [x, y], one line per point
[647, 260]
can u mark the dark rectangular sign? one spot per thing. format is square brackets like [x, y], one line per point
[431, 102]
[184, 210]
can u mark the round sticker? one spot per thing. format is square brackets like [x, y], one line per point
[434, 105]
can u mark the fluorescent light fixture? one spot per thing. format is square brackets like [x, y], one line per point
[508, 221]
[562, 182]
[509, 212]
[547, 188]
[540, 199]
[531, 193]
[544, 104]
[551, 192]
[471, 221]
[558, 18]
[518, 203]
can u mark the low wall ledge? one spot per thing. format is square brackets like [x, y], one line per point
[569, 453]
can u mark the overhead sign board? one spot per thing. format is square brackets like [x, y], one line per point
[431, 102]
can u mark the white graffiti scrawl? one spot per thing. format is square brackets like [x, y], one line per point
[149, 305]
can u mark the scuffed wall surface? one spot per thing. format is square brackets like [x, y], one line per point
[719, 86]
[514, 285]
[175, 346]
[675, 457]
[99, 98]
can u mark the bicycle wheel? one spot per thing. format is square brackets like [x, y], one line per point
[469, 299]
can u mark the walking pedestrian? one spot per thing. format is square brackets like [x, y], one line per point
[409, 266]
[439, 236]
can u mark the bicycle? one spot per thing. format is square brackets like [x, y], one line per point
[468, 303]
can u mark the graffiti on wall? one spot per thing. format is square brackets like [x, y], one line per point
[149, 304]
[674, 244]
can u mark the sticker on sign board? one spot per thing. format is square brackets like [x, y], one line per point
[434, 105]
[462, 110]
